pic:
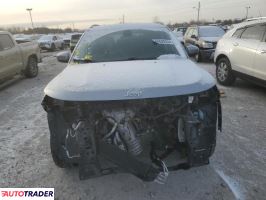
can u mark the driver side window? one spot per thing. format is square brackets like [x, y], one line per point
[194, 32]
[6, 42]
[255, 32]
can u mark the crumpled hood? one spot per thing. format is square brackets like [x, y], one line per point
[129, 80]
[210, 39]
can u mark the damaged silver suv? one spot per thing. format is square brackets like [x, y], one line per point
[131, 101]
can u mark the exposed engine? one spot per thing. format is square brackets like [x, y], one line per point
[137, 136]
[123, 132]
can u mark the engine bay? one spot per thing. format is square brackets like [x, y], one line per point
[145, 137]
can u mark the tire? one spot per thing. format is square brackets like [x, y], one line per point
[31, 70]
[58, 130]
[201, 140]
[224, 73]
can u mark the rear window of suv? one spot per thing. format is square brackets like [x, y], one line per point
[6, 42]
[238, 33]
[254, 32]
[211, 31]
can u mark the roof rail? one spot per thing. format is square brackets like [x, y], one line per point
[256, 18]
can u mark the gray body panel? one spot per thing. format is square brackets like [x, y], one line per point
[129, 80]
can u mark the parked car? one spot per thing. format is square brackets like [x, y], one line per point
[51, 42]
[23, 39]
[74, 40]
[242, 53]
[179, 36]
[204, 37]
[26, 38]
[181, 29]
[131, 97]
[179, 33]
[67, 39]
[18, 58]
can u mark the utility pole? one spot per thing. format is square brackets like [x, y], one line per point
[73, 25]
[29, 10]
[260, 13]
[247, 8]
[123, 19]
[198, 10]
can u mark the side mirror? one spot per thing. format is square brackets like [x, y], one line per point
[63, 56]
[192, 50]
[194, 36]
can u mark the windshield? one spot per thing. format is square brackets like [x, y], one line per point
[211, 31]
[124, 45]
[46, 37]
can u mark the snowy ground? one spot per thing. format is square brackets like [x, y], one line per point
[237, 169]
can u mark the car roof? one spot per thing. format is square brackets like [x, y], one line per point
[234, 27]
[130, 26]
[4, 32]
[247, 23]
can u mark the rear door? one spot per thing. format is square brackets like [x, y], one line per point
[244, 49]
[10, 58]
[260, 59]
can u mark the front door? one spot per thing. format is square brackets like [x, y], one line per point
[244, 49]
[260, 60]
[10, 60]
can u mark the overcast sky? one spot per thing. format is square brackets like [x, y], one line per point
[86, 12]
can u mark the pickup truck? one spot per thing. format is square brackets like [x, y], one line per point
[18, 58]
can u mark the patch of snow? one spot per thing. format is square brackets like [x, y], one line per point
[233, 185]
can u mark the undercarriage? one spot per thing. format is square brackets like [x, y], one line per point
[145, 137]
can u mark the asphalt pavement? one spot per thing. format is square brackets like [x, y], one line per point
[237, 169]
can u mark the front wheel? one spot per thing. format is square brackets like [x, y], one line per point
[32, 68]
[224, 72]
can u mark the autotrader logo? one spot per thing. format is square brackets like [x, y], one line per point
[27, 193]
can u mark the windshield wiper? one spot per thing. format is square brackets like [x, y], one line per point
[78, 60]
[136, 58]
[168, 56]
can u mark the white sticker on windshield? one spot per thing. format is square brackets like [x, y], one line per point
[162, 41]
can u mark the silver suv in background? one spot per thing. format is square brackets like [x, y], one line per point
[51, 42]
[242, 53]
